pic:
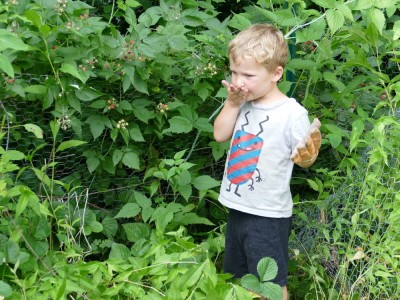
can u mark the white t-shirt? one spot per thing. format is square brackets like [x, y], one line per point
[258, 167]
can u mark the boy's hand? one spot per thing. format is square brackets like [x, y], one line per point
[236, 94]
[305, 153]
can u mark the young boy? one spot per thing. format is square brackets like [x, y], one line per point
[269, 132]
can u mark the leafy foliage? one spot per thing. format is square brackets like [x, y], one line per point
[109, 173]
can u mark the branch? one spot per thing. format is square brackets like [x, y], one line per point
[297, 27]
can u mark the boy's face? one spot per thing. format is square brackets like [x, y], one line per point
[249, 74]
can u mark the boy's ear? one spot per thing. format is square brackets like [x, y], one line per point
[278, 74]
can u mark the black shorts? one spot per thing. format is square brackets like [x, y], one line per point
[250, 238]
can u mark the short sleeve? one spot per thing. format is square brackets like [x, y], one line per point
[300, 129]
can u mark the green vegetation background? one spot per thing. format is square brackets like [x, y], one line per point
[109, 174]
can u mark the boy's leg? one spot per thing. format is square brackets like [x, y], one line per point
[268, 237]
[235, 261]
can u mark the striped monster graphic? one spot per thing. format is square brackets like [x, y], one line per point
[243, 157]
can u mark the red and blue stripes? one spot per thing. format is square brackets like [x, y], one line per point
[243, 158]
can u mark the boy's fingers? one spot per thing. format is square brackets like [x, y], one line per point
[315, 124]
[300, 153]
[226, 84]
[310, 146]
[304, 153]
[316, 138]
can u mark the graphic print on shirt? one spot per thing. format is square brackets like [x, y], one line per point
[243, 158]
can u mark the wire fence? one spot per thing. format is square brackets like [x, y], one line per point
[334, 216]
[354, 225]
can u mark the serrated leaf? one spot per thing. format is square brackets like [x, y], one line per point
[6, 66]
[179, 124]
[335, 20]
[301, 64]
[135, 133]
[110, 226]
[142, 200]
[178, 42]
[88, 94]
[131, 160]
[192, 276]
[36, 89]
[69, 144]
[313, 184]
[346, 11]
[5, 289]
[72, 70]
[117, 156]
[331, 78]
[239, 22]
[325, 3]
[36, 130]
[27, 197]
[129, 210]
[139, 84]
[119, 251]
[97, 127]
[42, 176]
[271, 290]
[238, 292]
[190, 218]
[179, 155]
[184, 178]
[267, 268]
[396, 30]
[92, 163]
[96, 226]
[163, 215]
[378, 19]
[251, 282]
[203, 124]
[142, 113]
[205, 182]
[34, 17]
[147, 212]
[356, 131]
[334, 139]
[11, 155]
[136, 231]
[10, 41]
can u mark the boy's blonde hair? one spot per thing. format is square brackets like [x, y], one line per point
[262, 42]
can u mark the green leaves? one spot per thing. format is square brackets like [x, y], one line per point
[10, 41]
[69, 144]
[6, 66]
[267, 269]
[205, 182]
[187, 122]
[335, 20]
[336, 135]
[357, 129]
[5, 289]
[325, 3]
[131, 160]
[129, 210]
[71, 69]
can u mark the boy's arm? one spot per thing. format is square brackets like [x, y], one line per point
[305, 153]
[225, 122]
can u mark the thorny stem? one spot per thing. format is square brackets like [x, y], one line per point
[297, 27]
[32, 250]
